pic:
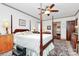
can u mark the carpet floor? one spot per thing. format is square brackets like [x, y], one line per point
[62, 48]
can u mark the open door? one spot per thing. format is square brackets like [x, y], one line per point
[70, 29]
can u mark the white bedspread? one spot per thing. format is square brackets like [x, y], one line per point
[32, 41]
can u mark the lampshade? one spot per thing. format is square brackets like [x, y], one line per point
[33, 27]
[6, 24]
[47, 12]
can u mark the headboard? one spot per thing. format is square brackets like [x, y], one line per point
[20, 30]
[46, 32]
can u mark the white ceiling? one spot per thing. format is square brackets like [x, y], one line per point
[65, 9]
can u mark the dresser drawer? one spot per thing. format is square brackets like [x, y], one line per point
[74, 39]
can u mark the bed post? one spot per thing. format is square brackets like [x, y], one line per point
[41, 45]
[52, 29]
[11, 25]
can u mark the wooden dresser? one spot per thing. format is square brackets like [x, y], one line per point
[74, 39]
[6, 43]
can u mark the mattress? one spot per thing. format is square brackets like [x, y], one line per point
[32, 41]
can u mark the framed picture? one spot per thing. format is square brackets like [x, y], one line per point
[22, 22]
[49, 27]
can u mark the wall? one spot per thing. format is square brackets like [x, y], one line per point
[5, 15]
[47, 23]
[63, 24]
[77, 16]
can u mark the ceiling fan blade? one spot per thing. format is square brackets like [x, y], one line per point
[54, 10]
[52, 6]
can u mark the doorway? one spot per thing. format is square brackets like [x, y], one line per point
[70, 29]
[57, 30]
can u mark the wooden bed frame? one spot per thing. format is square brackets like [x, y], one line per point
[42, 47]
[41, 36]
[20, 30]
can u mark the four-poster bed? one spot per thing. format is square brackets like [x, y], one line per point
[32, 41]
[42, 46]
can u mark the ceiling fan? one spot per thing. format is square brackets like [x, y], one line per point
[48, 9]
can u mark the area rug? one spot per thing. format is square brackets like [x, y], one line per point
[62, 48]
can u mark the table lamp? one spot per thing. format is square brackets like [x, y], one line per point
[6, 25]
[33, 28]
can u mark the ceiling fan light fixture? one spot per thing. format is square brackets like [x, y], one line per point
[47, 12]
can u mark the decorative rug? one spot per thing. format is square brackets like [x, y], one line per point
[62, 48]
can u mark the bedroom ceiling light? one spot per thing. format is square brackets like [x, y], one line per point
[47, 12]
[48, 9]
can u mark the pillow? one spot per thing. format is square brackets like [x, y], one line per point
[29, 32]
[24, 33]
[19, 33]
